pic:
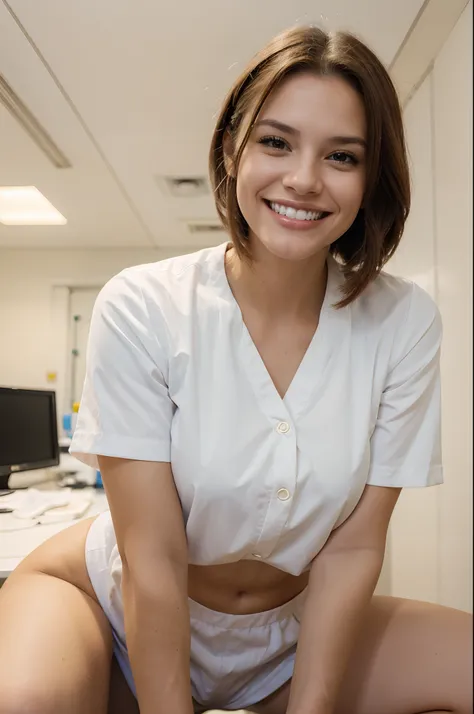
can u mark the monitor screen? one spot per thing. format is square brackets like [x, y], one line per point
[28, 429]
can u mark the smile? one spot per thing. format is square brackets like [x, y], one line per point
[296, 214]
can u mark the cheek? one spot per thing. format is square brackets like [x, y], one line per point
[244, 177]
[251, 179]
[256, 171]
[242, 191]
[349, 190]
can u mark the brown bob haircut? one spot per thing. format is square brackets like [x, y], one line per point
[375, 234]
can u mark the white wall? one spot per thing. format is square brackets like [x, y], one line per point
[452, 111]
[430, 551]
[431, 534]
[412, 557]
[34, 308]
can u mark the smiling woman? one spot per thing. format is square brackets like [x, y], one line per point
[315, 167]
[360, 132]
[255, 409]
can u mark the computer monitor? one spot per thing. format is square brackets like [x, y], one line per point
[28, 431]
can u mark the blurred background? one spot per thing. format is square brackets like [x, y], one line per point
[106, 111]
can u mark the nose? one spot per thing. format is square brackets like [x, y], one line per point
[304, 178]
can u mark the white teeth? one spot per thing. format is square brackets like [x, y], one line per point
[299, 215]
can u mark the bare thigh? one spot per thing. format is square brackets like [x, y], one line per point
[55, 640]
[411, 657]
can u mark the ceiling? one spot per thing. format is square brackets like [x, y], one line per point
[128, 90]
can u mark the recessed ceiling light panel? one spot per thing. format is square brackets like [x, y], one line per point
[205, 227]
[26, 206]
[183, 186]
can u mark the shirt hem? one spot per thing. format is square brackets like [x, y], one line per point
[86, 447]
[395, 479]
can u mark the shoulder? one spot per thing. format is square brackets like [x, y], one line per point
[396, 303]
[162, 282]
[399, 314]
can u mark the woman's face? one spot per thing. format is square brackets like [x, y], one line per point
[301, 178]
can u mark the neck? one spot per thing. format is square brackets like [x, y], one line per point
[276, 287]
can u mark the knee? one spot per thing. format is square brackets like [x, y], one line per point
[464, 687]
[21, 699]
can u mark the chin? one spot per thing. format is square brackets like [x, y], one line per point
[293, 248]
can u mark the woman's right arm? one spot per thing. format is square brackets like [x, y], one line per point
[149, 528]
[125, 419]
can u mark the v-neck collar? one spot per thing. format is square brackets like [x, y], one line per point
[310, 375]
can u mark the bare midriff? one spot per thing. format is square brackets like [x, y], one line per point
[244, 587]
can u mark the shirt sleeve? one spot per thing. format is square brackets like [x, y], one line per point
[125, 409]
[406, 441]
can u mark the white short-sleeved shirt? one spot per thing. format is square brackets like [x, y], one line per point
[173, 375]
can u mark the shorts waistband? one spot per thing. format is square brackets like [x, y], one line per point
[227, 621]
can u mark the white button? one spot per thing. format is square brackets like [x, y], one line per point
[256, 555]
[283, 427]
[283, 494]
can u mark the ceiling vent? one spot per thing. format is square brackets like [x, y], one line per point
[184, 186]
[205, 227]
[31, 125]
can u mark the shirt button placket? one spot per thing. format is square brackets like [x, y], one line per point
[278, 507]
[283, 427]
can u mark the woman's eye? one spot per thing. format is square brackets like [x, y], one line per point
[273, 142]
[342, 157]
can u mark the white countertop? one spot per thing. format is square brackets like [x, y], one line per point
[16, 545]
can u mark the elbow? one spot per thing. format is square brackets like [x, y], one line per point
[147, 564]
[156, 578]
[366, 562]
[370, 558]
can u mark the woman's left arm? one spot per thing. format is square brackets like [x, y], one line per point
[342, 581]
[404, 452]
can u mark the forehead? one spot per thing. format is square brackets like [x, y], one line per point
[317, 104]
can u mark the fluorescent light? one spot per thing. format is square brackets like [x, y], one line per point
[26, 206]
[31, 125]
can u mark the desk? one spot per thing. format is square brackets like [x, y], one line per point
[16, 545]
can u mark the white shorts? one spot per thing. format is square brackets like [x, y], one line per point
[236, 660]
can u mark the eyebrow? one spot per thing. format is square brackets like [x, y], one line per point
[291, 130]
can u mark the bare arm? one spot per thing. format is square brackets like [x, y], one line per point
[342, 581]
[404, 451]
[151, 539]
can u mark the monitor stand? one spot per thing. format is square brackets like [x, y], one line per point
[24, 479]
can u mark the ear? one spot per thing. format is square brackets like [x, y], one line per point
[228, 146]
